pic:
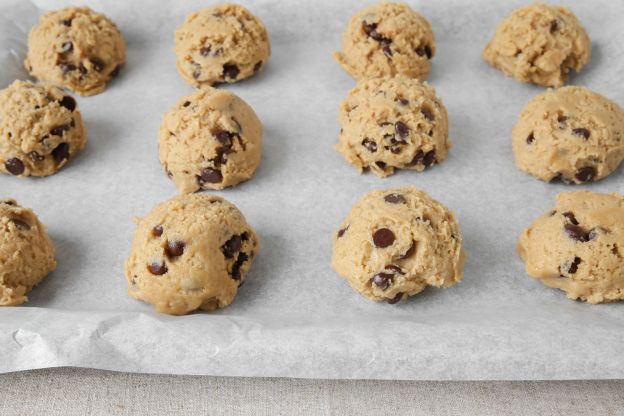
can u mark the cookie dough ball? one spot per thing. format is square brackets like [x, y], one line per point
[40, 129]
[191, 252]
[390, 123]
[539, 43]
[224, 43]
[395, 242]
[76, 48]
[578, 246]
[26, 252]
[211, 139]
[571, 133]
[387, 39]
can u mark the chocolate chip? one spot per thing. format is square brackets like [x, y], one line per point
[223, 137]
[370, 145]
[20, 224]
[586, 174]
[68, 102]
[409, 253]
[427, 113]
[401, 129]
[395, 299]
[97, 64]
[420, 51]
[65, 67]
[232, 246]
[575, 232]
[368, 27]
[58, 130]
[428, 52]
[196, 73]
[341, 232]
[554, 25]
[14, 166]
[174, 248]
[395, 269]
[242, 257]
[561, 119]
[574, 265]
[66, 22]
[394, 199]
[530, 139]
[35, 157]
[570, 216]
[115, 71]
[257, 66]
[7, 202]
[380, 164]
[61, 152]
[83, 70]
[230, 71]
[157, 268]
[383, 238]
[209, 175]
[186, 104]
[584, 133]
[387, 51]
[157, 231]
[382, 280]
[205, 51]
[67, 47]
[429, 158]
[402, 101]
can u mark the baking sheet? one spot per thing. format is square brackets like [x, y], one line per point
[295, 317]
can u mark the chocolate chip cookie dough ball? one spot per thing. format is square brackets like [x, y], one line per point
[395, 242]
[387, 39]
[210, 139]
[577, 247]
[26, 252]
[40, 129]
[390, 123]
[191, 252]
[224, 43]
[76, 48]
[570, 133]
[539, 43]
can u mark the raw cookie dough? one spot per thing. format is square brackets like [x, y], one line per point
[390, 123]
[577, 247]
[224, 43]
[570, 133]
[387, 39]
[40, 129]
[26, 252]
[191, 252]
[395, 242]
[76, 48]
[210, 139]
[539, 43]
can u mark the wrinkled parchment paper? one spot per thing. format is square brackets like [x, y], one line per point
[295, 317]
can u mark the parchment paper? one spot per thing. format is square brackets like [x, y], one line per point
[295, 317]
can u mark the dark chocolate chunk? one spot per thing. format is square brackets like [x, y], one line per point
[394, 199]
[14, 166]
[382, 280]
[383, 238]
[157, 268]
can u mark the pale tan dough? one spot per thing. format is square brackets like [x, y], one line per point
[191, 252]
[577, 247]
[570, 133]
[387, 39]
[210, 139]
[223, 43]
[397, 241]
[389, 123]
[40, 129]
[26, 252]
[539, 43]
[76, 48]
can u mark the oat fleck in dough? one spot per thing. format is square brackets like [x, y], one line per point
[570, 133]
[395, 242]
[539, 43]
[577, 247]
[210, 139]
[40, 129]
[224, 43]
[26, 252]
[387, 39]
[76, 48]
[390, 123]
[191, 252]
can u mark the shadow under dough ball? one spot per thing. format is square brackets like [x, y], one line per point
[393, 123]
[26, 252]
[41, 129]
[539, 43]
[76, 48]
[191, 252]
[387, 39]
[570, 133]
[578, 246]
[223, 43]
[395, 242]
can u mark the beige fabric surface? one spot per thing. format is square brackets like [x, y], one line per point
[68, 391]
